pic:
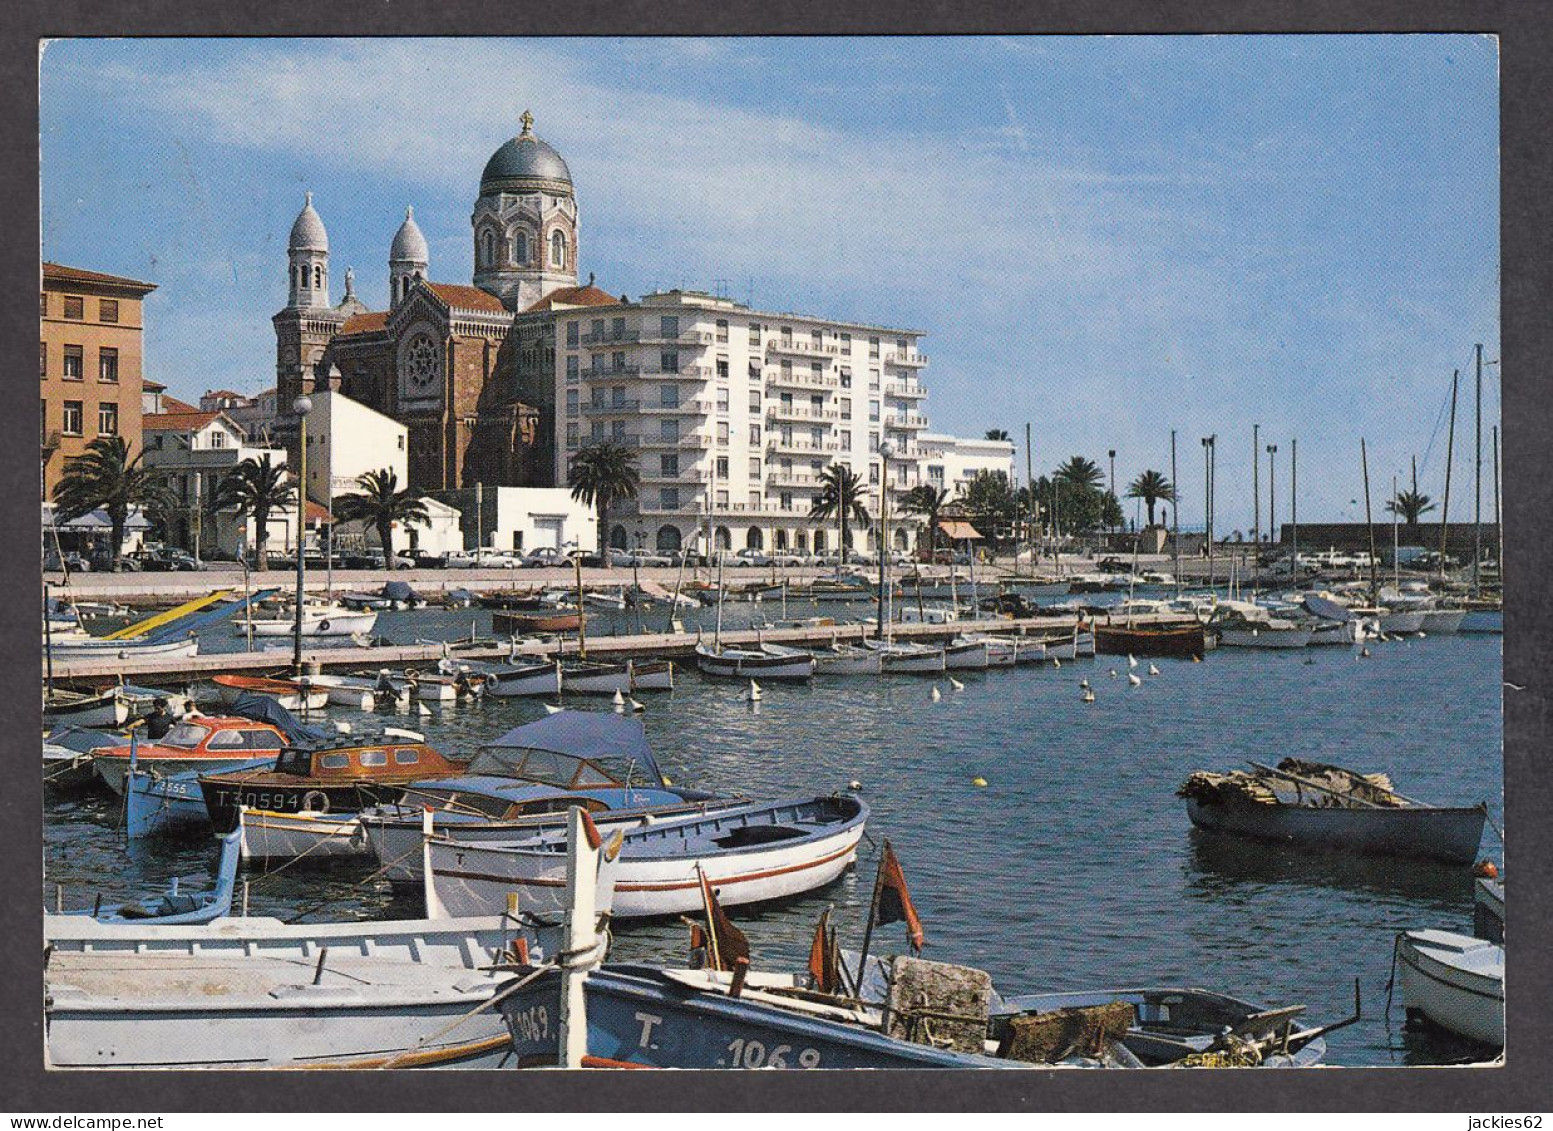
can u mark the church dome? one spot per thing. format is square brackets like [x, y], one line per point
[409, 244]
[524, 164]
[307, 233]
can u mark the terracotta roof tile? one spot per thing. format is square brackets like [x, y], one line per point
[63, 274]
[176, 421]
[174, 405]
[466, 298]
[575, 296]
[364, 323]
[151, 386]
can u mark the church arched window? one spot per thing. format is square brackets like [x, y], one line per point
[557, 249]
[318, 277]
[520, 247]
[487, 249]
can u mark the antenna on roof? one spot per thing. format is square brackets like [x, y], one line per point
[719, 288]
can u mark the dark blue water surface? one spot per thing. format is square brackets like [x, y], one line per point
[1075, 865]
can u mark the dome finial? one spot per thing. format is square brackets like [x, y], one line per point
[528, 124]
[409, 211]
[308, 201]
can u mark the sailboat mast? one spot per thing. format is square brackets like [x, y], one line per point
[1035, 504]
[1175, 510]
[1450, 454]
[1369, 522]
[1498, 522]
[1396, 548]
[1294, 504]
[717, 633]
[1477, 484]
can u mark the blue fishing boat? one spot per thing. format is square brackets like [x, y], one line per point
[175, 907]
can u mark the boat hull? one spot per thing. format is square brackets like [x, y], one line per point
[739, 664]
[523, 624]
[113, 768]
[1455, 982]
[268, 835]
[1402, 623]
[849, 661]
[1264, 637]
[288, 695]
[1188, 640]
[1450, 836]
[66, 652]
[110, 709]
[596, 679]
[967, 657]
[342, 623]
[515, 681]
[637, 1016]
[652, 675]
[476, 879]
[1443, 622]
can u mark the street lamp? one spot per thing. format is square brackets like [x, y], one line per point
[301, 406]
[886, 450]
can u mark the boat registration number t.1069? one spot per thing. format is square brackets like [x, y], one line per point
[531, 1024]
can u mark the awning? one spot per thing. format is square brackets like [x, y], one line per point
[958, 531]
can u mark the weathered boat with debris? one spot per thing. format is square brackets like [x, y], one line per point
[1316, 805]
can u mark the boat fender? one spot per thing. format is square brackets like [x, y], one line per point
[315, 801]
[1487, 869]
[323, 625]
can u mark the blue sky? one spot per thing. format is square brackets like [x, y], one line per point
[1106, 237]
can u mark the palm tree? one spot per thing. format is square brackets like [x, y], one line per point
[1081, 472]
[1152, 487]
[600, 474]
[998, 434]
[256, 487]
[381, 503]
[928, 501]
[105, 478]
[841, 498]
[1410, 505]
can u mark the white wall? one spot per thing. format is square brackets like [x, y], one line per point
[527, 518]
[346, 439]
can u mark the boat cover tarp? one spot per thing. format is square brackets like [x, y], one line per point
[264, 709]
[1327, 610]
[617, 741]
[1342, 788]
[82, 740]
[399, 591]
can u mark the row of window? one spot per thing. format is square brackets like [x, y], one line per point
[669, 327]
[517, 250]
[75, 307]
[73, 418]
[73, 363]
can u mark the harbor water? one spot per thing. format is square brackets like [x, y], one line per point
[1073, 867]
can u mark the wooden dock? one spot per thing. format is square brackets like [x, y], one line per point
[633, 646]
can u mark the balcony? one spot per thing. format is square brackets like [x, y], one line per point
[696, 406]
[788, 379]
[801, 347]
[679, 443]
[691, 508]
[802, 445]
[613, 408]
[780, 478]
[611, 337]
[782, 411]
[905, 390]
[686, 338]
[905, 421]
[683, 373]
[686, 475]
[907, 359]
[610, 373]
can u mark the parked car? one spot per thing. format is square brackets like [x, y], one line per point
[622, 559]
[71, 560]
[749, 556]
[425, 559]
[545, 557]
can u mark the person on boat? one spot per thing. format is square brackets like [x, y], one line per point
[159, 721]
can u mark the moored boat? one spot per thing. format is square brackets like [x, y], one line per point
[1151, 640]
[754, 854]
[522, 677]
[73, 647]
[1453, 981]
[1315, 805]
[315, 837]
[173, 907]
[527, 624]
[901, 657]
[200, 742]
[764, 661]
[289, 694]
[317, 620]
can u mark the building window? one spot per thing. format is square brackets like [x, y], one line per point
[71, 425]
[873, 475]
[668, 498]
[668, 465]
[520, 247]
[755, 435]
[43, 304]
[668, 431]
[400, 438]
[43, 359]
[668, 396]
[817, 337]
[873, 412]
[74, 363]
[722, 329]
[75, 307]
[722, 368]
[873, 444]
[218, 439]
[571, 402]
[722, 433]
[846, 377]
[487, 249]
[722, 501]
[43, 421]
[846, 408]
[754, 371]
[557, 249]
[873, 348]
[668, 326]
[787, 335]
[816, 369]
[571, 435]
[572, 331]
[754, 500]
[668, 361]
[107, 419]
[108, 366]
[755, 401]
[935, 473]
[873, 380]
[571, 364]
[754, 467]
[722, 401]
[755, 334]
[617, 431]
[846, 342]
[318, 277]
[722, 467]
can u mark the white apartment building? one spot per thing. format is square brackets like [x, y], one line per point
[951, 462]
[345, 440]
[735, 413]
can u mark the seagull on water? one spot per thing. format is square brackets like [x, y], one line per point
[1132, 661]
[1112, 673]
[937, 694]
[1088, 696]
[1153, 670]
[1134, 680]
[1084, 683]
[636, 708]
[956, 684]
[753, 694]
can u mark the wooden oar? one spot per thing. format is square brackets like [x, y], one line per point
[1314, 785]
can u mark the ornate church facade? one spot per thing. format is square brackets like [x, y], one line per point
[469, 370]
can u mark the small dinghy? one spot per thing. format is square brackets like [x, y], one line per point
[287, 693]
[518, 677]
[846, 659]
[77, 646]
[591, 677]
[1455, 982]
[764, 661]
[1316, 805]
[174, 907]
[306, 836]
[1158, 640]
[317, 621]
[753, 854]
[900, 657]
